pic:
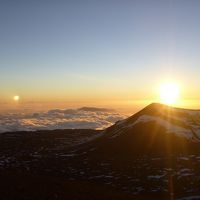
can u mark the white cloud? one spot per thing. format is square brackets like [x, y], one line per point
[83, 118]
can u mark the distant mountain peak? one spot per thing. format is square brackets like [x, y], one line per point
[95, 109]
[177, 121]
[157, 128]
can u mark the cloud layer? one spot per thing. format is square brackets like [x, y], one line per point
[83, 118]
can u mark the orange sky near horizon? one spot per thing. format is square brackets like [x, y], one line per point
[129, 99]
[123, 106]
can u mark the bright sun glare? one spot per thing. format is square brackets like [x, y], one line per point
[169, 93]
[16, 98]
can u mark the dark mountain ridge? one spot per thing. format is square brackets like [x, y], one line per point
[158, 129]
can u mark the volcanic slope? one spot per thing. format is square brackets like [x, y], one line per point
[157, 128]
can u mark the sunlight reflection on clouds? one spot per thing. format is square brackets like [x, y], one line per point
[84, 118]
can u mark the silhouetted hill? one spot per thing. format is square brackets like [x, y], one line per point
[156, 129]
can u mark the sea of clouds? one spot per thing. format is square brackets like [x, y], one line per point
[82, 118]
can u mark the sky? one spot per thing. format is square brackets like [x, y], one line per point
[116, 53]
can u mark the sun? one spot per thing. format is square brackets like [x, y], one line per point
[169, 93]
[16, 98]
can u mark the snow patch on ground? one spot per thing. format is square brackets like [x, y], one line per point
[170, 128]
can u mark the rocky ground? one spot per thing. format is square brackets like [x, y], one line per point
[47, 165]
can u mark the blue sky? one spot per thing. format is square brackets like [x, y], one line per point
[101, 50]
